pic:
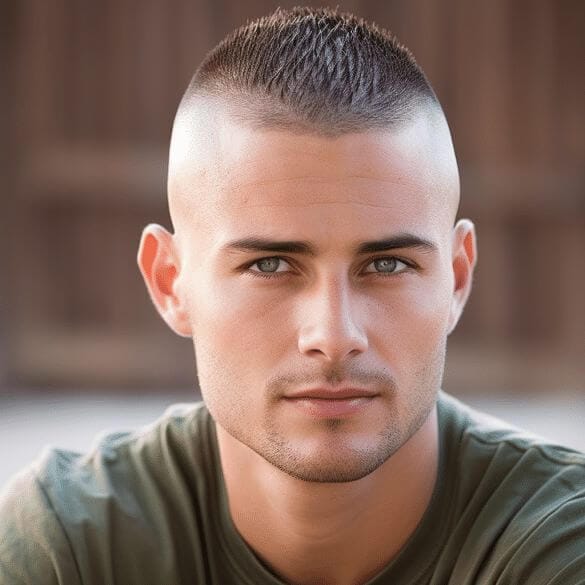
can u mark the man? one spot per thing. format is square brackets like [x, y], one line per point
[317, 265]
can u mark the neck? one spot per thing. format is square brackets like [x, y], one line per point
[330, 533]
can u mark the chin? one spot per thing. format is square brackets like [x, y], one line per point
[330, 460]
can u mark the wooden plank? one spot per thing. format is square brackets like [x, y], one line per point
[89, 359]
[34, 86]
[497, 192]
[571, 310]
[476, 368]
[570, 83]
[493, 281]
[119, 54]
[194, 34]
[97, 173]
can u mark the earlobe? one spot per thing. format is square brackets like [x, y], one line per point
[158, 266]
[464, 259]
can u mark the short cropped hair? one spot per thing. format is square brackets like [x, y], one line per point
[314, 69]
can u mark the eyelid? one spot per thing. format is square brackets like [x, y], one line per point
[408, 263]
[282, 258]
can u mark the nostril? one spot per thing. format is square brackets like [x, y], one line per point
[333, 347]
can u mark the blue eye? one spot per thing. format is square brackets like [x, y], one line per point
[276, 267]
[388, 265]
[268, 266]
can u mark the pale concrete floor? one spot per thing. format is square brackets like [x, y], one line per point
[30, 420]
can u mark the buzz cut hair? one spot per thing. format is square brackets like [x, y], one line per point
[314, 70]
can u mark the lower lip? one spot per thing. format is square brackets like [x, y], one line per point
[325, 408]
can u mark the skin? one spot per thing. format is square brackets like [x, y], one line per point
[340, 496]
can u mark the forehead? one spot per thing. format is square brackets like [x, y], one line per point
[235, 176]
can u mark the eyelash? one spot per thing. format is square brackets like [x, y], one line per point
[271, 275]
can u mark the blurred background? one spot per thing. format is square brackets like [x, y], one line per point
[88, 91]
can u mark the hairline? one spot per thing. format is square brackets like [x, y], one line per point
[258, 111]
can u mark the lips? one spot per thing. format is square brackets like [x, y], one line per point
[324, 393]
[328, 403]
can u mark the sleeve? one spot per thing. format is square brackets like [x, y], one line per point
[34, 549]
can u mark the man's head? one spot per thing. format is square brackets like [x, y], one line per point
[313, 190]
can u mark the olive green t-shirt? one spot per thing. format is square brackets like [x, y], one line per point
[150, 508]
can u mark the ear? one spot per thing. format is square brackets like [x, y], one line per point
[159, 268]
[464, 257]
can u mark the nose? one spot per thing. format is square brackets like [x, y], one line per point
[330, 327]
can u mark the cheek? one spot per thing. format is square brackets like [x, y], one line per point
[238, 339]
[413, 325]
[240, 323]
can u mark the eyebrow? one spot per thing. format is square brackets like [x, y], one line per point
[258, 244]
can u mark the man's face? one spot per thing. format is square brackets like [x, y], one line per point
[269, 324]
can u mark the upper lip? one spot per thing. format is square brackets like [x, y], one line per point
[332, 393]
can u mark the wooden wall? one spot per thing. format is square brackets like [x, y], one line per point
[89, 92]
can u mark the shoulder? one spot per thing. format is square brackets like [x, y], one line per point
[128, 472]
[34, 547]
[120, 498]
[474, 436]
[494, 461]
[520, 496]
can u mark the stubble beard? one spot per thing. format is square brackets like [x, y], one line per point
[344, 466]
[270, 443]
[355, 464]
